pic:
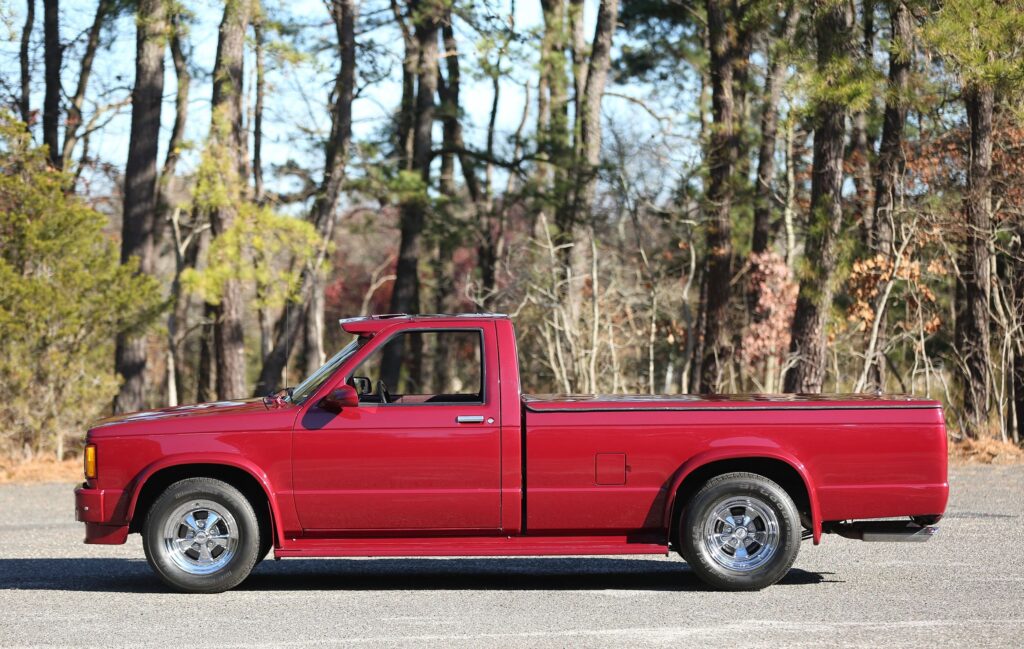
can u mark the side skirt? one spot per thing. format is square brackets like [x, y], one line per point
[467, 547]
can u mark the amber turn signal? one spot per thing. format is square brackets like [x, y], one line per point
[90, 461]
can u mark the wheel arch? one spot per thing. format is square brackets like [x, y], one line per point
[248, 479]
[789, 473]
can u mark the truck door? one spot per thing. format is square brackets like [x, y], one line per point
[422, 449]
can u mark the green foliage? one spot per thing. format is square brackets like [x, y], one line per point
[849, 82]
[982, 40]
[250, 251]
[64, 297]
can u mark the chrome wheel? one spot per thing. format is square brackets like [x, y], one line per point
[200, 537]
[741, 533]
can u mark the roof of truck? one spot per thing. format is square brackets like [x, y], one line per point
[369, 325]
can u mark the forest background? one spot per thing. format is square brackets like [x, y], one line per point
[667, 196]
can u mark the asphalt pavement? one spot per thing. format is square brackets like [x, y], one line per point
[963, 588]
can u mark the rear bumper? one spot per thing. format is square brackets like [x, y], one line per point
[97, 509]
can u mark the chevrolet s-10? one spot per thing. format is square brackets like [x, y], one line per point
[416, 440]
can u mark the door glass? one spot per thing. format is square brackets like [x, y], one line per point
[423, 367]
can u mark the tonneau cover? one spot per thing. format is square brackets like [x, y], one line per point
[614, 402]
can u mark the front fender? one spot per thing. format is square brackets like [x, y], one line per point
[221, 459]
[744, 453]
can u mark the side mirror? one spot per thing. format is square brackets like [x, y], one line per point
[362, 385]
[340, 397]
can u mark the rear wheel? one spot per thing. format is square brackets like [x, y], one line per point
[741, 531]
[202, 536]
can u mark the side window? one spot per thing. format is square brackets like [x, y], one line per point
[429, 366]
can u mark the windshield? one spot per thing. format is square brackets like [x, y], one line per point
[309, 387]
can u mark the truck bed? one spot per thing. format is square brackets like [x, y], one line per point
[857, 456]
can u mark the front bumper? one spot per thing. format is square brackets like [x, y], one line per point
[99, 510]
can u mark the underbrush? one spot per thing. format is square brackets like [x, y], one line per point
[985, 451]
[40, 469]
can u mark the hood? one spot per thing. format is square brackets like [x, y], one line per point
[217, 416]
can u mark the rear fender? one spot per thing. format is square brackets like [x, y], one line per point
[740, 453]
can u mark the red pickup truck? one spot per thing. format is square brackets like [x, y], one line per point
[415, 440]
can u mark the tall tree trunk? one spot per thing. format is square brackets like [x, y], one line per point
[257, 123]
[554, 141]
[1018, 359]
[891, 164]
[52, 57]
[206, 373]
[177, 139]
[405, 297]
[774, 80]
[833, 32]
[448, 93]
[140, 186]
[92, 43]
[185, 252]
[24, 58]
[859, 138]
[228, 137]
[324, 216]
[406, 120]
[722, 154]
[973, 322]
[590, 108]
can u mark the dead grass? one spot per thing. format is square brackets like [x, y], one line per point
[40, 469]
[985, 451]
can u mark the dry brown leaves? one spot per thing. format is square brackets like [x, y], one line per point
[985, 451]
[41, 469]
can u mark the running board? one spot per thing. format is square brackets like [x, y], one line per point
[467, 546]
[882, 531]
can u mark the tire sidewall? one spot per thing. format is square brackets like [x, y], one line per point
[248, 536]
[718, 576]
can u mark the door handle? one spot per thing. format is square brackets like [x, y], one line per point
[470, 419]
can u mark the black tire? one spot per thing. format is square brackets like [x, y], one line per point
[770, 540]
[195, 570]
[266, 545]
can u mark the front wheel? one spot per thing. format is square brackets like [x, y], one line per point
[202, 536]
[741, 531]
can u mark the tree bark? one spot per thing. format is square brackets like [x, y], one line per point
[406, 120]
[52, 57]
[92, 43]
[763, 192]
[140, 187]
[228, 137]
[723, 149]
[973, 322]
[891, 163]
[185, 255]
[448, 94]
[861, 146]
[1018, 359]
[310, 307]
[24, 58]
[590, 108]
[405, 297]
[833, 32]
[257, 123]
[554, 142]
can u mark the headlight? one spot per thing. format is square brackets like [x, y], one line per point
[90, 461]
